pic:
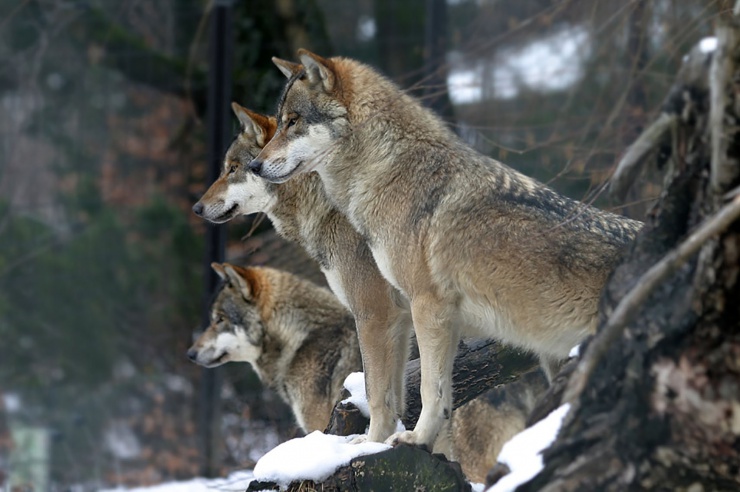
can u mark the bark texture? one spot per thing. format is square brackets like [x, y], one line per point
[661, 409]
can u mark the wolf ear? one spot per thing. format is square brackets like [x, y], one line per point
[219, 269]
[318, 70]
[289, 69]
[242, 282]
[253, 125]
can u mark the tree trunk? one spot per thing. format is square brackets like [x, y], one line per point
[661, 408]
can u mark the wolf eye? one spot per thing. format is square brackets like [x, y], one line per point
[292, 121]
[233, 168]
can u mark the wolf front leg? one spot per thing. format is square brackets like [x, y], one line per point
[437, 338]
[384, 347]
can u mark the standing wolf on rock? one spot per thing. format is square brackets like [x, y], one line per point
[469, 241]
[300, 212]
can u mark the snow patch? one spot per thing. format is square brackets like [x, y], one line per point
[314, 457]
[707, 45]
[523, 453]
[355, 384]
[575, 351]
[237, 481]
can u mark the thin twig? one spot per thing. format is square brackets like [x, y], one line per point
[634, 158]
[629, 306]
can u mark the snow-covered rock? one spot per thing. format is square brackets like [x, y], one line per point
[314, 457]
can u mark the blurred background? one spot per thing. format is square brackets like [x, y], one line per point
[112, 114]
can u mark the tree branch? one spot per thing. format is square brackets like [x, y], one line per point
[723, 167]
[637, 153]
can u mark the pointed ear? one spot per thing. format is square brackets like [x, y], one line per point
[219, 269]
[253, 124]
[288, 68]
[239, 281]
[318, 70]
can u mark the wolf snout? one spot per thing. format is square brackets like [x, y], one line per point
[255, 166]
[198, 210]
[192, 353]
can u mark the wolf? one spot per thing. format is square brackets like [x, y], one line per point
[297, 336]
[302, 343]
[300, 212]
[469, 241]
[481, 427]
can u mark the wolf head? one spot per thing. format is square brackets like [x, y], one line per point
[236, 331]
[311, 116]
[237, 191]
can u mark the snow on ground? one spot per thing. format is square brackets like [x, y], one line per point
[355, 384]
[314, 457]
[523, 453]
[707, 45]
[237, 481]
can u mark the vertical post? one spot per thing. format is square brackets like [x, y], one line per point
[219, 96]
[435, 64]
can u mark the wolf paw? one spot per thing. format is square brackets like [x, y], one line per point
[359, 439]
[406, 437]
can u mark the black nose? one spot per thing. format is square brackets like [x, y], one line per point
[198, 208]
[192, 354]
[255, 166]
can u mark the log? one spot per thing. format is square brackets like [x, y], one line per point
[479, 366]
[346, 420]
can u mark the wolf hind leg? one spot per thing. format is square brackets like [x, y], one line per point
[401, 334]
[444, 444]
[437, 338]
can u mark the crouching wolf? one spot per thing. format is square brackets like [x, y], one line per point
[297, 336]
[300, 212]
[469, 241]
[302, 343]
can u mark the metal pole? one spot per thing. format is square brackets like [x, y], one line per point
[435, 65]
[218, 121]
